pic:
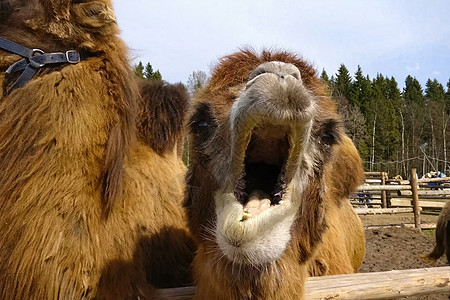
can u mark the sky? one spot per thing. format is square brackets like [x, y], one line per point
[394, 38]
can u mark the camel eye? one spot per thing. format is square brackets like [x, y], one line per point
[329, 133]
[328, 139]
[202, 124]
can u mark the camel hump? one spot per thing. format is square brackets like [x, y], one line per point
[162, 113]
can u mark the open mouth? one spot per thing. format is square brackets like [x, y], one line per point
[263, 181]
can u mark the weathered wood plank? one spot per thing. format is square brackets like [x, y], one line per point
[378, 285]
[422, 203]
[434, 179]
[403, 225]
[392, 187]
[443, 193]
[372, 174]
[378, 211]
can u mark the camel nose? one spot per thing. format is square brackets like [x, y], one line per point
[274, 94]
[281, 69]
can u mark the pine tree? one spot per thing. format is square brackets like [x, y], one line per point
[324, 76]
[343, 83]
[157, 75]
[139, 70]
[383, 123]
[434, 91]
[148, 72]
[150, 75]
[438, 121]
[361, 90]
[414, 120]
[412, 92]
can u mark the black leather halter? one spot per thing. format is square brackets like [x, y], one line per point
[34, 59]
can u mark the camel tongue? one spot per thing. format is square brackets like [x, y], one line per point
[258, 201]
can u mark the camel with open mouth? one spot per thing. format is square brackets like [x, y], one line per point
[270, 176]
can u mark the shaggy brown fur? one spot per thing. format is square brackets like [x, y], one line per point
[86, 207]
[442, 235]
[326, 236]
[161, 120]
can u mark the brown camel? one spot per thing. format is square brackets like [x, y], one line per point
[269, 180]
[88, 210]
[442, 235]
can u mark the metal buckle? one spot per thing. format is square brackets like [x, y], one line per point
[77, 60]
[36, 52]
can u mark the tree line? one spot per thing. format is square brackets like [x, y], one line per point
[394, 130]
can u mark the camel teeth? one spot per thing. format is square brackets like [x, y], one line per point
[246, 216]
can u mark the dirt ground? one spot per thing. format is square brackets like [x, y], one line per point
[399, 248]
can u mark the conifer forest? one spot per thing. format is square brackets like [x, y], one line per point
[394, 129]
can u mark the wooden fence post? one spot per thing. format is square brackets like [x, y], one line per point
[383, 192]
[415, 198]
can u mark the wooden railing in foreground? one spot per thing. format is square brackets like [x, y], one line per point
[377, 285]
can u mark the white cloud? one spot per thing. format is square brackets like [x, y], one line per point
[436, 73]
[412, 69]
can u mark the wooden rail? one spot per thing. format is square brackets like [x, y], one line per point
[384, 187]
[375, 211]
[378, 190]
[377, 285]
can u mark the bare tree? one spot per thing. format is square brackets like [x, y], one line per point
[196, 81]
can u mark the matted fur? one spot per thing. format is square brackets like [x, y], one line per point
[86, 208]
[327, 236]
[442, 235]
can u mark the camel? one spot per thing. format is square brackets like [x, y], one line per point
[442, 235]
[269, 180]
[90, 207]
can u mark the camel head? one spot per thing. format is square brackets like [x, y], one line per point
[267, 148]
[50, 24]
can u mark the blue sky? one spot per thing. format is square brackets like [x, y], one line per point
[394, 38]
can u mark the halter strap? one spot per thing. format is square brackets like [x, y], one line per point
[34, 59]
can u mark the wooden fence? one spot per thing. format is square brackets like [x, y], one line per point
[376, 285]
[417, 194]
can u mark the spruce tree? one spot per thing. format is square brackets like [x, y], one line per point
[324, 76]
[415, 120]
[139, 70]
[361, 90]
[150, 75]
[148, 72]
[343, 83]
[434, 91]
[412, 92]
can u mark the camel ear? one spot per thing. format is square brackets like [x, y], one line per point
[94, 14]
[346, 172]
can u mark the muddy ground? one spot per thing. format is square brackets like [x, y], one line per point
[399, 248]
